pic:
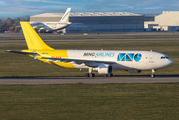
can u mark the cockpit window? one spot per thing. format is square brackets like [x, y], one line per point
[164, 57]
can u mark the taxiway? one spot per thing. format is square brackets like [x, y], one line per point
[83, 80]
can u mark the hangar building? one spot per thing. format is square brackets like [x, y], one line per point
[167, 21]
[96, 21]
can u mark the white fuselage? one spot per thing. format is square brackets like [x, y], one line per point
[124, 60]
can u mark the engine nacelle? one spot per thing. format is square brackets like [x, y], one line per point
[104, 69]
[134, 71]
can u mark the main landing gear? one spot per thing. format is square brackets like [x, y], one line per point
[90, 74]
[153, 73]
[93, 75]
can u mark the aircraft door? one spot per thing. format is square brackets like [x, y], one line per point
[151, 58]
[150, 61]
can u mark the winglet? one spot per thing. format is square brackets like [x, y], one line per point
[65, 17]
[33, 40]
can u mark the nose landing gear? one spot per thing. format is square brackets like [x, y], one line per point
[153, 73]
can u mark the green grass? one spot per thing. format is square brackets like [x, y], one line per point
[16, 65]
[90, 102]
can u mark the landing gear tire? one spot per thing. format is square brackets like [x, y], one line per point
[108, 75]
[87, 74]
[90, 75]
[152, 76]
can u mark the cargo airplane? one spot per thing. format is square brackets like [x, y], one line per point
[53, 26]
[102, 61]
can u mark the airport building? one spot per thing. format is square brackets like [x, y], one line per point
[96, 21]
[167, 21]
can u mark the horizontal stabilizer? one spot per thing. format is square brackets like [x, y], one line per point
[21, 52]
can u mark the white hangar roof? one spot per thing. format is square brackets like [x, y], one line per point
[87, 14]
[103, 14]
[54, 17]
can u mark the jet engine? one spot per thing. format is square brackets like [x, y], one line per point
[104, 69]
[134, 71]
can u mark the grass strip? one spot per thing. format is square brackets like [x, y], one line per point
[90, 101]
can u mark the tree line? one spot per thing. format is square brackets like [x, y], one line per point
[12, 25]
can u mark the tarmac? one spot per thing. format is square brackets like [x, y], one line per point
[118, 39]
[83, 80]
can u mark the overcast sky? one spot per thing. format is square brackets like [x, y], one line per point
[19, 8]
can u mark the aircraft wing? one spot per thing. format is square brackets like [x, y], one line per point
[90, 63]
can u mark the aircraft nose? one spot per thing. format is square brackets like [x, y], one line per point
[169, 62]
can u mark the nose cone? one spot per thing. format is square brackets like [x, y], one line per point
[168, 62]
[162, 61]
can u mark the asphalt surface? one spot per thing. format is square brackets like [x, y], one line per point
[142, 39]
[91, 34]
[96, 80]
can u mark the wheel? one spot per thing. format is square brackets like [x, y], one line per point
[87, 74]
[105, 75]
[90, 75]
[152, 76]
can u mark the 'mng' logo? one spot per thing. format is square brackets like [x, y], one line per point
[89, 54]
[129, 57]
